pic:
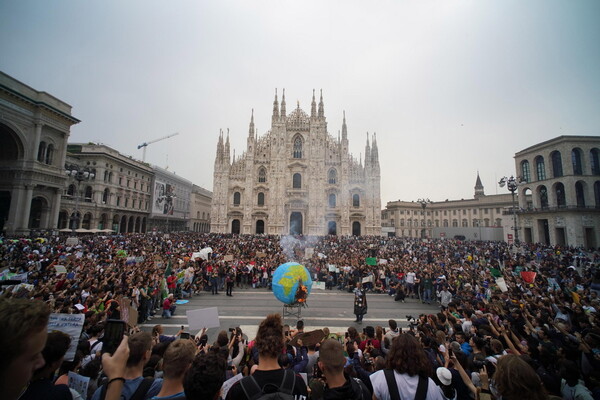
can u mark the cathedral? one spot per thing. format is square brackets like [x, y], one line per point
[296, 179]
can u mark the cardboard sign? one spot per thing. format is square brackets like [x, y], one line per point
[71, 324]
[308, 252]
[367, 279]
[228, 257]
[203, 318]
[260, 254]
[318, 285]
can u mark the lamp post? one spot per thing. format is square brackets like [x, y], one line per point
[424, 203]
[79, 174]
[511, 184]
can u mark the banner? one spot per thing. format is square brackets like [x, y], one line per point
[371, 261]
[318, 285]
[367, 279]
[495, 272]
[163, 198]
[71, 324]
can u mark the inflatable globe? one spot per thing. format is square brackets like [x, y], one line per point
[286, 279]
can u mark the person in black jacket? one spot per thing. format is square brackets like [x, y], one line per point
[337, 384]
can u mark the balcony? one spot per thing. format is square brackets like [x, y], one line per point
[534, 210]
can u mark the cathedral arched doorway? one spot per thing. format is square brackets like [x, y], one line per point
[356, 228]
[260, 226]
[296, 223]
[235, 226]
[332, 228]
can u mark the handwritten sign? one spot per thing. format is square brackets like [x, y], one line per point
[318, 285]
[228, 257]
[60, 269]
[203, 318]
[71, 324]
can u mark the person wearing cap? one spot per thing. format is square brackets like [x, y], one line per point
[339, 385]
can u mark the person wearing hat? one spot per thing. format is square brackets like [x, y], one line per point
[337, 384]
[445, 377]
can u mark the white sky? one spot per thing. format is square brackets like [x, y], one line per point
[450, 87]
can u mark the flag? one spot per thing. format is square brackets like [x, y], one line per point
[121, 253]
[168, 270]
[371, 261]
[528, 276]
[495, 272]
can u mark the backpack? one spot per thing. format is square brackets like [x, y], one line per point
[284, 392]
[140, 392]
[393, 386]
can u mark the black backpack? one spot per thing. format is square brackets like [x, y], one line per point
[393, 386]
[284, 392]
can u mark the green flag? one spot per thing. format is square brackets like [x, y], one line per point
[121, 253]
[168, 270]
[371, 261]
[495, 272]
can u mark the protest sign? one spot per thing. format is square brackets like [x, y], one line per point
[228, 257]
[367, 279]
[196, 255]
[308, 252]
[71, 324]
[260, 254]
[79, 383]
[60, 269]
[501, 284]
[205, 253]
[318, 285]
[331, 267]
[371, 261]
[203, 318]
[229, 383]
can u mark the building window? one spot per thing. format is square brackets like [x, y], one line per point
[445, 223]
[540, 168]
[576, 159]
[561, 200]
[465, 223]
[454, 223]
[49, 154]
[543, 193]
[105, 196]
[119, 201]
[237, 198]
[297, 181]
[71, 190]
[580, 194]
[41, 152]
[298, 147]
[332, 200]
[262, 175]
[594, 162]
[88, 194]
[355, 200]
[261, 199]
[525, 171]
[557, 170]
[332, 176]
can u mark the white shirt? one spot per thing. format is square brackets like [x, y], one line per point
[410, 277]
[407, 386]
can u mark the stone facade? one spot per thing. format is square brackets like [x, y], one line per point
[117, 198]
[562, 183]
[200, 207]
[484, 217]
[34, 129]
[298, 179]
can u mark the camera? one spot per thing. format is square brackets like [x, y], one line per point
[412, 322]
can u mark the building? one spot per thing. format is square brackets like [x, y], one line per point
[484, 217]
[562, 187]
[200, 207]
[296, 179]
[34, 130]
[114, 195]
[171, 197]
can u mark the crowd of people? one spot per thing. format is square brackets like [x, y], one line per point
[514, 321]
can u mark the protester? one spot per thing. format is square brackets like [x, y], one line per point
[177, 359]
[360, 302]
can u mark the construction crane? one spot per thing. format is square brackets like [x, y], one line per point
[145, 144]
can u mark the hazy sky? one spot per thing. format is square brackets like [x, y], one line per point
[450, 87]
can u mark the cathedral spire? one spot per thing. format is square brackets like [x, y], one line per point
[227, 149]
[275, 107]
[375, 151]
[367, 153]
[313, 106]
[344, 128]
[283, 104]
[321, 107]
[251, 128]
[220, 150]
[479, 187]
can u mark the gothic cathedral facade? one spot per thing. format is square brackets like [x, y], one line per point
[296, 179]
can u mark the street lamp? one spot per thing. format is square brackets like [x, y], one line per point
[511, 184]
[424, 203]
[79, 174]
